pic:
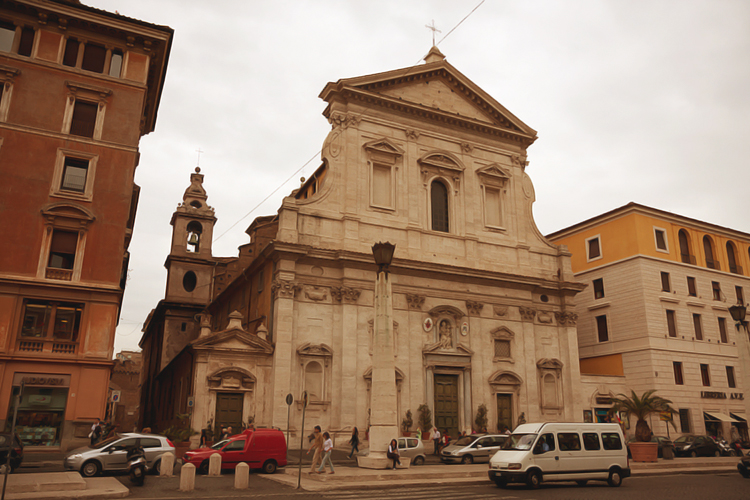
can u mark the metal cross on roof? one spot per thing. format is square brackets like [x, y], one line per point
[434, 30]
[199, 151]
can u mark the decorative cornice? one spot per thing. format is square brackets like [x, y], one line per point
[343, 120]
[284, 289]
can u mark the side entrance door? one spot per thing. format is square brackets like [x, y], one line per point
[229, 410]
[446, 404]
[504, 412]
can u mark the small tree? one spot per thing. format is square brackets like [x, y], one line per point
[425, 418]
[480, 421]
[642, 407]
[407, 422]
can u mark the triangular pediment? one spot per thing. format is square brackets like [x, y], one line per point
[436, 348]
[494, 171]
[385, 146]
[433, 87]
[234, 339]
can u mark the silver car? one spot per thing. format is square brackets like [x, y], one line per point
[473, 448]
[110, 454]
[412, 448]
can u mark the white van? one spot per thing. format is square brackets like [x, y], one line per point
[562, 452]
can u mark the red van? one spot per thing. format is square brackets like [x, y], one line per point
[259, 448]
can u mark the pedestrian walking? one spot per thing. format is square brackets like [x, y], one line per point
[96, 432]
[435, 436]
[393, 453]
[317, 445]
[327, 448]
[354, 441]
[419, 433]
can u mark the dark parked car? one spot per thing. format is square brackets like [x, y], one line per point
[696, 446]
[16, 450]
[664, 442]
[744, 467]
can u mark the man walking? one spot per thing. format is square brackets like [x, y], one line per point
[435, 436]
[317, 445]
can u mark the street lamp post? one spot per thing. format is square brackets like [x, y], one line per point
[738, 312]
[383, 418]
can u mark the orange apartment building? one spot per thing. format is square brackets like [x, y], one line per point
[656, 315]
[78, 88]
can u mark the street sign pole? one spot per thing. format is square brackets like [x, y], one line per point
[302, 439]
[289, 401]
[12, 439]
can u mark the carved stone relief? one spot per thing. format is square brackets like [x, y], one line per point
[474, 308]
[500, 311]
[345, 294]
[415, 301]
[527, 313]
[565, 318]
[342, 120]
[412, 134]
[284, 289]
[316, 293]
[545, 317]
[466, 147]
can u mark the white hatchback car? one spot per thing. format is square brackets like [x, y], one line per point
[412, 448]
[110, 454]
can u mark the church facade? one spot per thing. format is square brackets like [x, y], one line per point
[483, 303]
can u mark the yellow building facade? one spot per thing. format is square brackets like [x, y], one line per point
[655, 314]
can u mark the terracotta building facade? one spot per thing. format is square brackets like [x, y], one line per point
[483, 303]
[78, 88]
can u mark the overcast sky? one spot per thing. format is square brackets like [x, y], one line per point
[633, 100]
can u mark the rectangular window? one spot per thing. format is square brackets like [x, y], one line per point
[7, 34]
[569, 441]
[599, 288]
[502, 348]
[55, 320]
[740, 294]
[492, 207]
[601, 328]
[115, 63]
[671, 323]
[692, 291]
[698, 326]
[594, 250]
[84, 118]
[611, 441]
[705, 378]
[684, 421]
[730, 377]
[382, 185]
[26, 44]
[661, 239]
[93, 58]
[591, 441]
[678, 379]
[75, 171]
[665, 285]
[70, 56]
[716, 287]
[62, 250]
[723, 330]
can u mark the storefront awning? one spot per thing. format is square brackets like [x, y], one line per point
[738, 418]
[715, 415]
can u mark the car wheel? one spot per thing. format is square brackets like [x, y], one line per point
[615, 478]
[155, 469]
[717, 453]
[269, 467]
[534, 480]
[90, 469]
[744, 472]
[582, 482]
[467, 459]
[203, 468]
[693, 454]
[501, 482]
[419, 461]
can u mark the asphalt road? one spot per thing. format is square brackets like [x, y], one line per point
[729, 486]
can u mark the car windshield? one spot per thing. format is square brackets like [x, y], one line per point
[465, 441]
[519, 442]
[684, 439]
[219, 445]
[106, 442]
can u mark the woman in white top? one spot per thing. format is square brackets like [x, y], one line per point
[327, 448]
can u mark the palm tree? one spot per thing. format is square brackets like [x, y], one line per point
[642, 407]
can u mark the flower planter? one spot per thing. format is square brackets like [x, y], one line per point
[407, 433]
[180, 449]
[644, 452]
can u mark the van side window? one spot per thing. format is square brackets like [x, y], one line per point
[611, 441]
[238, 445]
[546, 443]
[569, 441]
[591, 441]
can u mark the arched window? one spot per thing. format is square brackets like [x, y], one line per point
[314, 381]
[732, 259]
[439, 205]
[685, 254]
[194, 230]
[708, 249]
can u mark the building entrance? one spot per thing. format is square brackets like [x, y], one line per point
[504, 412]
[446, 404]
[229, 410]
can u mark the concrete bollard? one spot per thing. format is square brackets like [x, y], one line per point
[166, 465]
[187, 477]
[214, 465]
[241, 476]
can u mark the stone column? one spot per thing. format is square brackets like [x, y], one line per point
[383, 418]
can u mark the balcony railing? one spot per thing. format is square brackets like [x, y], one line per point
[735, 269]
[687, 258]
[59, 274]
[713, 264]
[46, 346]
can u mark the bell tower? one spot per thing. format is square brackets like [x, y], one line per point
[190, 263]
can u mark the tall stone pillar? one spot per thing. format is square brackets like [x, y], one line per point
[383, 417]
